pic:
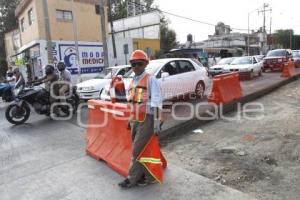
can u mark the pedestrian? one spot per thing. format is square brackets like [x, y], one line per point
[145, 100]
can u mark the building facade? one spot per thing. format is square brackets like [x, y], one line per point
[59, 23]
[135, 32]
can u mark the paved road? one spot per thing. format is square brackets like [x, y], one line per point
[45, 159]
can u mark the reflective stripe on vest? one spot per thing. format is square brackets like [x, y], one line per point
[139, 96]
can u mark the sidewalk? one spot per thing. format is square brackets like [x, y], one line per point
[251, 90]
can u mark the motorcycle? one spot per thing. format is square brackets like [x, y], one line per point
[6, 92]
[36, 97]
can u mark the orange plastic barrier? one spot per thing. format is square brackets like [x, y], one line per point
[107, 134]
[288, 70]
[226, 88]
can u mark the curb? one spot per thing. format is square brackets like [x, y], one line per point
[189, 125]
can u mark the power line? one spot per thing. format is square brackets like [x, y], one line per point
[183, 17]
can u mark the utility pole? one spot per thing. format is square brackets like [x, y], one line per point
[103, 24]
[264, 24]
[47, 32]
[112, 31]
[290, 38]
[76, 40]
[271, 37]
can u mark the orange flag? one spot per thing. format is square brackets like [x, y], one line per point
[152, 159]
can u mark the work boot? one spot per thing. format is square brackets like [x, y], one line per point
[144, 182]
[125, 184]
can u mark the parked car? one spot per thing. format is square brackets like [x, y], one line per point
[276, 59]
[246, 66]
[219, 67]
[176, 76]
[92, 88]
[296, 57]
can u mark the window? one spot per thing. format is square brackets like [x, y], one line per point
[30, 17]
[22, 25]
[64, 15]
[185, 66]
[171, 68]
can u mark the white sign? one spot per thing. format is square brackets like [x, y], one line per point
[90, 55]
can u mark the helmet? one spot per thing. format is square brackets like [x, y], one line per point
[61, 66]
[16, 71]
[9, 73]
[139, 55]
[49, 69]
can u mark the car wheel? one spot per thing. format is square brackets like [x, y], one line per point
[199, 90]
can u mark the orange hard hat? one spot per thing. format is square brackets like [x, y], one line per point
[139, 55]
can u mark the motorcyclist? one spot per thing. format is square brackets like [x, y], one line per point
[53, 88]
[65, 80]
[10, 78]
[20, 81]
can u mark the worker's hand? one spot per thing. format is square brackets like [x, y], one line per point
[157, 126]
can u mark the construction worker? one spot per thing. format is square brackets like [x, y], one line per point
[146, 109]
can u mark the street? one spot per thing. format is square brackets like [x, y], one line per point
[46, 159]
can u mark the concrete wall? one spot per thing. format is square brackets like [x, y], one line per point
[122, 59]
[88, 22]
[12, 43]
[32, 31]
[152, 45]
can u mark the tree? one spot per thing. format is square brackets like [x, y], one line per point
[168, 39]
[287, 39]
[119, 7]
[8, 22]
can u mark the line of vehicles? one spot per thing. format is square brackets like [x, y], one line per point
[250, 66]
[181, 76]
[177, 77]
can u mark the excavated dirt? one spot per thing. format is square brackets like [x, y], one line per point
[260, 157]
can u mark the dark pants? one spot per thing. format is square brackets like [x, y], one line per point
[141, 134]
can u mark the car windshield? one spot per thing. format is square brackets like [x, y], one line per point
[296, 54]
[108, 74]
[259, 58]
[151, 68]
[242, 61]
[225, 61]
[280, 53]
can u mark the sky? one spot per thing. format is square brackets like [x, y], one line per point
[285, 15]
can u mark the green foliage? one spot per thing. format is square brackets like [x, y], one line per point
[119, 7]
[286, 38]
[168, 39]
[8, 22]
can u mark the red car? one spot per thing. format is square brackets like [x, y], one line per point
[296, 57]
[276, 59]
